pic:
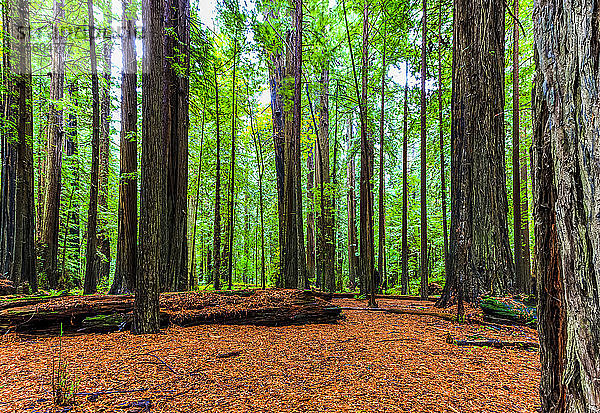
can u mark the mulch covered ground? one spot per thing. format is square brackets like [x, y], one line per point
[368, 362]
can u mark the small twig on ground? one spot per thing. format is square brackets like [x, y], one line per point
[229, 354]
[171, 369]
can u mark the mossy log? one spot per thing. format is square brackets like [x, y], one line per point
[508, 311]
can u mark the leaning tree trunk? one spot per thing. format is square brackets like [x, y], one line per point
[480, 253]
[48, 238]
[91, 269]
[126, 265]
[153, 191]
[18, 139]
[567, 113]
[103, 240]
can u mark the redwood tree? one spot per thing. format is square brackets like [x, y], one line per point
[153, 191]
[126, 264]
[566, 178]
[480, 253]
[48, 237]
[91, 266]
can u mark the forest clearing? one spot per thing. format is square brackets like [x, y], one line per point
[366, 362]
[300, 205]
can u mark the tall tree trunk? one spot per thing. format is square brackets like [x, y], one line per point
[480, 253]
[277, 73]
[335, 253]
[261, 170]
[297, 127]
[126, 265]
[442, 146]
[424, 246]
[552, 323]
[380, 256]
[217, 216]
[231, 225]
[404, 278]
[521, 282]
[91, 267]
[153, 191]
[48, 240]
[525, 227]
[310, 217]
[193, 279]
[567, 225]
[104, 171]
[326, 256]
[351, 206]
[367, 245]
[176, 126]
[18, 142]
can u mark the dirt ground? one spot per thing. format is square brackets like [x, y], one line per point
[368, 362]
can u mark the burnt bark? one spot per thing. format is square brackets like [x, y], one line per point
[568, 45]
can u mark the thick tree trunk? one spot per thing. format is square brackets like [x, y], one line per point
[91, 265]
[153, 193]
[216, 275]
[404, 277]
[17, 196]
[480, 253]
[104, 171]
[424, 246]
[567, 226]
[48, 239]
[126, 265]
[176, 126]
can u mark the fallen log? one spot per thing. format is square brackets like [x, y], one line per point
[505, 310]
[405, 297]
[329, 296]
[111, 312]
[444, 316]
[527, 345]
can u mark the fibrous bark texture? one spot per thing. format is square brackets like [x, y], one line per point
[567, 112]
[153, 194]
[480, 253]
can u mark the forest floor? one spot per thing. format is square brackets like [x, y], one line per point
[367, 362]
